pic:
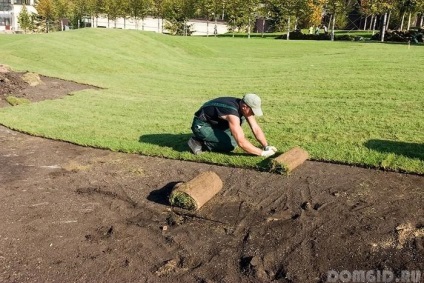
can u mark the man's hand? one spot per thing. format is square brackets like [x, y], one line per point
[268, 153]
[270, 147]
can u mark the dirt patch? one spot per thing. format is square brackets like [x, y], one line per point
[75, 214]
[34, 87]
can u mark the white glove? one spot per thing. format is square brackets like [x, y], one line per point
[267, 153]
[270, 147]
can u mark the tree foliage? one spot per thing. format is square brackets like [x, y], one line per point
[240, 15]
[24, 19]
[177, 13]
[138, 9]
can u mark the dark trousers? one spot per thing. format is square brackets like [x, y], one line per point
[214, 139]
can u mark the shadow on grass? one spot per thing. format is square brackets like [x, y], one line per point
[161, 196]
[265, 165]
[177, 142]
[252, 35]
[420, 44]
[412, 150]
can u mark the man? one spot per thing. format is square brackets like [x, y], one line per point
[217, 126]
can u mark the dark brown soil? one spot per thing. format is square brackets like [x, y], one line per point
[12, 84]
[75, 214]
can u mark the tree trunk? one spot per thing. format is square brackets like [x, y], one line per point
[375, 23]
[401, 22]
[365, 22]
[248, 29]
[383, 27]
[215, 28]
[330, 21]
[419, 21]
[288, 28]
[158, 25]
[388, 20]
[371, 22]
[207, 27]
[332, 27]
[409, 21]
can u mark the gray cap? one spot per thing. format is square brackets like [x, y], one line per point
[254, 102]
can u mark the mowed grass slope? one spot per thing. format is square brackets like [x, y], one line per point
[350, 102]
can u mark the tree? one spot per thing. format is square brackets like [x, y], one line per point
[249, 10]
[61, 10]
[420, 14]
[234, 14]
[337, 9]
[177, 13]
[316, 10]
[46, 11]
[78, 10]
[97, 7]
[158, 11]
[282, 12]
[139, 9]
[24, 19]
[209, 9]
[275, 11]
[241, 13]
[112, 10]
[407, 6]
[384, 7]
[366, 12]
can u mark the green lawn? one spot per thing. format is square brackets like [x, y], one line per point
[350, 102]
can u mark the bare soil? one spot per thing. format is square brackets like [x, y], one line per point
[12, 84]
[75, 214]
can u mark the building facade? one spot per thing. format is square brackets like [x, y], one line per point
[9, 12]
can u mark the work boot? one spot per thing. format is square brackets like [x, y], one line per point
[195, 145]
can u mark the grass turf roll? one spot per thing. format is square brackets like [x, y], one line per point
[289, 160]
[193, 194]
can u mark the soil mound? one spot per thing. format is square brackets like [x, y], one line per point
[11, 84]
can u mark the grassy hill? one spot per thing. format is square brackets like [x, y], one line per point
[350, 102]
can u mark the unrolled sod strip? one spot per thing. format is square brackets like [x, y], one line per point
[193, 194]
[289, 160]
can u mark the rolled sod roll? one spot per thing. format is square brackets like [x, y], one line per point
[193, 194]
[289, 160]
